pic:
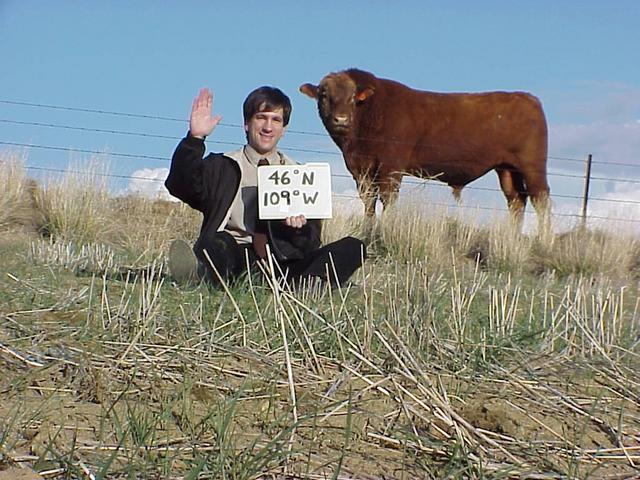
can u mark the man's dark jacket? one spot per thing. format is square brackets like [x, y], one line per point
[210, 184]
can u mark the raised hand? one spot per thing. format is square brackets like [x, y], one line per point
[201, 123]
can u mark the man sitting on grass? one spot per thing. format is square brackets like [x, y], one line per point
[224, 188]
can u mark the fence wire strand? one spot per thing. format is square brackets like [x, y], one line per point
[410, 182]
[235, 144]
[339, 195]
[298, 132]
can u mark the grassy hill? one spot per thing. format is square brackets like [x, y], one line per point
[457, 351]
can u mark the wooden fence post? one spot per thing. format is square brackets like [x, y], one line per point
[585, 197]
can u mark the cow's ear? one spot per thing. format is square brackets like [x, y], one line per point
[363, 94]
[309, 90]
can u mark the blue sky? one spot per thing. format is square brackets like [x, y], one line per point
[150, 58]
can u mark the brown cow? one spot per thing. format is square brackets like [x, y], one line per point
[386, 130]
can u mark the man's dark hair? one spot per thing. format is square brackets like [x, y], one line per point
[266, 99]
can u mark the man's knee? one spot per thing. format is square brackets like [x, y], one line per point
[342, 258]
[350, 247]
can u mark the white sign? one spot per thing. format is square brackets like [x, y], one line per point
[287, 190]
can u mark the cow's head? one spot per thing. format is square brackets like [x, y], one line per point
[338, 96]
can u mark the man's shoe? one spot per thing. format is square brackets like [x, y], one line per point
[183, 264]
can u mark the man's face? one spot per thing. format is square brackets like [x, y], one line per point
[264, 130]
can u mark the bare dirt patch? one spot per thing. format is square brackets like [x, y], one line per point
[399, 430]
[15, 473]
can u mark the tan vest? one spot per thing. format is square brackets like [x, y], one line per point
[241, 217]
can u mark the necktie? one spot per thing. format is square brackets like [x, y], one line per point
[260, 234]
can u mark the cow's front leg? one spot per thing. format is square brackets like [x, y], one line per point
[368, 191]
[389, 190]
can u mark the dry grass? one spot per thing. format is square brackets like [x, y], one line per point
[15, 201]
[456, 352]
[438, 238]
[588, 252]
[76, 205]
[144, 228]
[76, 209]
[295, 387]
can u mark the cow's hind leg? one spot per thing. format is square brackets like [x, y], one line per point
[538, 189]
[512, 185]
[456, 190]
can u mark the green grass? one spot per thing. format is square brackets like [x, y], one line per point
[456, 352]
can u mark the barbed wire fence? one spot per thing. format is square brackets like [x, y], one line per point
[411, 182]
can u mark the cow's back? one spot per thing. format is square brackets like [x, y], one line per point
[413, 130]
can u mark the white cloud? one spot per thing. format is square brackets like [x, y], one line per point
[605, 122]
[608, 127]
[149, 183]
[607, 142]
[346, 203]
[618, 210]
[593, 102]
